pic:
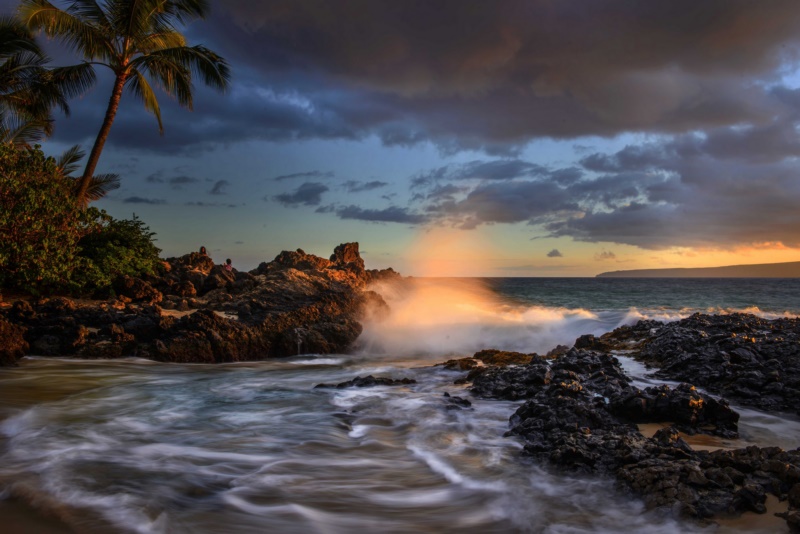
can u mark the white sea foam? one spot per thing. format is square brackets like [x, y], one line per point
[429, 318]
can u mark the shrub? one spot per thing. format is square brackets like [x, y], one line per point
[115, 247]
[49, 244]
[40, 223]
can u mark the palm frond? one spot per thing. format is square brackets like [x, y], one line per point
[100, 185]
[21, 132]
[74, 80]
[171, 62]
[159, 41]
[15, 37]
[141, 88]
[67, 162]
[185, 11]
[80, 35]
[170, 75]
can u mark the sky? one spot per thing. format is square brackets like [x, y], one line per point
[472, 138]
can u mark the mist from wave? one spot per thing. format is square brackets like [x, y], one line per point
[431, 317]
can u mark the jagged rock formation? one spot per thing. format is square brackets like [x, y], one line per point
[579, 416]
[745, 358]
[580, 411]
[298, 303]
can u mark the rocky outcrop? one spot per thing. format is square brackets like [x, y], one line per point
[745, 358]
[580, 414]
[12, 343]
[299, 303]
[368, 382]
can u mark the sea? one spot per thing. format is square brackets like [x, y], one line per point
[135, 446]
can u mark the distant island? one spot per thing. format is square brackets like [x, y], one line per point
[764, 270]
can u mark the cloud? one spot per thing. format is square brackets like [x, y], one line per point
[177, 181]
[555, 253]
[308, 194]
[474, 76]
[201, 204]
[492, 78]
[605, 256]
[391, 214]
[219, 187]
[305, 175]
[353, 186]
[141, 200]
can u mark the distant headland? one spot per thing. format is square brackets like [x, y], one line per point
[764, 270]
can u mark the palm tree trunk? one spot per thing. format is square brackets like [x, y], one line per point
[94, 156]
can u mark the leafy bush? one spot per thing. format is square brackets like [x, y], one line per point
[115, 247]
[40, 223]
[49, 244]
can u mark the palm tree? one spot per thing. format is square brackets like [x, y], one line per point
[29, 90]
[137, 40]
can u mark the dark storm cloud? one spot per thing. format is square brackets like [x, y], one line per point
[304, 175]
[141, 200]
[201, 204]
[392, 214]
[308, 194]
[479, 76]
[467, 74]
[354, 186]
[555, 253]
[219, 187]
[177, 181]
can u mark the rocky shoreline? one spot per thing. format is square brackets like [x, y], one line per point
[199, 312]
[579, 412]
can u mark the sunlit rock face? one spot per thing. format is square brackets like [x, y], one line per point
[296, 304]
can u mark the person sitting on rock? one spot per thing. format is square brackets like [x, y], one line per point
[203, 251]
[228, 265]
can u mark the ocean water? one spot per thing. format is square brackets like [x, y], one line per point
[145, 447]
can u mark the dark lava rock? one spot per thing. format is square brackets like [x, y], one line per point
[503, 358]
[12, 343]
[753, 361]
[368, 382]
[579, 416]
[456, 403]
[136, 289]
[683, 405]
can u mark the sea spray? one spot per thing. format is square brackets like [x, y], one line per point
[430, 317]
[438, 316]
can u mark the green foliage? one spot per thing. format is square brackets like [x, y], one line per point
[113, 248]
[48, 243]
[40, 223]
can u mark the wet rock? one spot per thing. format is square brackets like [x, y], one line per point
[503, 358]
[461, 364]
[12, 343]
[368, 382]
[579, 414]
[456, 403]
[590, 342]
[683, 405]
[742, 357]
